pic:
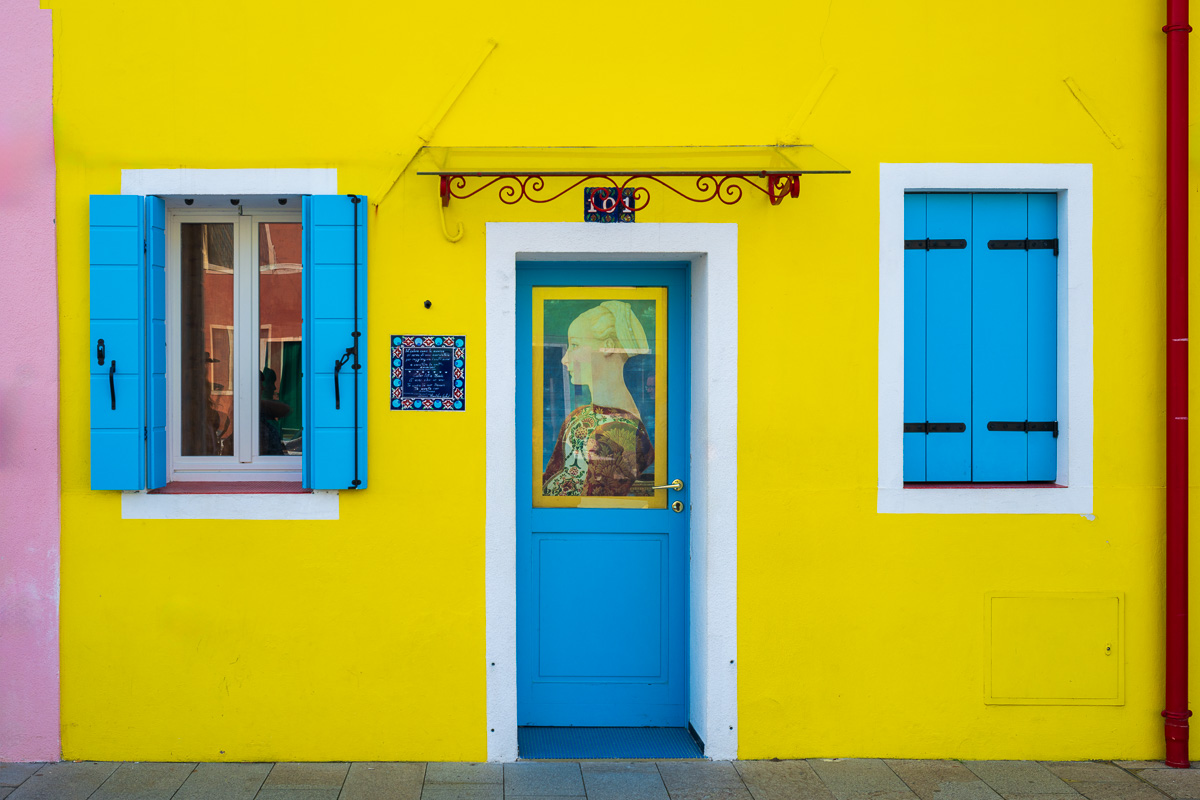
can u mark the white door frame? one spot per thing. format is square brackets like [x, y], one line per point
[712, 638]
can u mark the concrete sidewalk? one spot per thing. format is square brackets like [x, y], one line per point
[814, 779]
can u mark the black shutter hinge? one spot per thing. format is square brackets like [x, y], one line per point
[1023, 244]
[145, 434]
[935, 244]
[1025, 426]
[935, 427]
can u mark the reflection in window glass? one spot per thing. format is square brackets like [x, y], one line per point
[206, 310]
[279, 413]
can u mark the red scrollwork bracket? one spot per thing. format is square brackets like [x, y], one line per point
[727, 188]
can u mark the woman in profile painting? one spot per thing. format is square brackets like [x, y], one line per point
[603, 446]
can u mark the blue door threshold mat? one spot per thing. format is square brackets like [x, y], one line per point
[583, 743]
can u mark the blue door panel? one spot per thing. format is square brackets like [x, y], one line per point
[1000, 337]
[1043, 338]
[603, 606]
[602, 593]
[948, 338]
[914, 337]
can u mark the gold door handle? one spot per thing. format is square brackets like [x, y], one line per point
[676, 484]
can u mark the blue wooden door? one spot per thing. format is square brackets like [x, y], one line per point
[602, 417]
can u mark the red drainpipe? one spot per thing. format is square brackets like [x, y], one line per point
[1176, 713]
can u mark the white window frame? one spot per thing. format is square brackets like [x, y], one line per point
[1073, 185]
[246, 465]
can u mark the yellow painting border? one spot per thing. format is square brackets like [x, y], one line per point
[602, 293]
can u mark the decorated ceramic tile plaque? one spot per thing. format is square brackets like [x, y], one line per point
[429, 373]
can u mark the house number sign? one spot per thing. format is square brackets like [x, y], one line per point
[608, 204]
[429, 373]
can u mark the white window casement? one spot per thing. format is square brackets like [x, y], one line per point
[233, 344]
[1071, 492]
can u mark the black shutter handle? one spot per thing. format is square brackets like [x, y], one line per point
[100, 352]
[112, 384]
[337, 368]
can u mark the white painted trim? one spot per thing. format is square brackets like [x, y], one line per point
[1073, 183]
[314, 506]
[277, 181]
[712, 250]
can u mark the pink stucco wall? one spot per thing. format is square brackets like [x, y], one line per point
[29, 483]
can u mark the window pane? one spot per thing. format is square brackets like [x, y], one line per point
[207, 379]
[279, 426]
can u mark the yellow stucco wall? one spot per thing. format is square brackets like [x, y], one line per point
[860, 634]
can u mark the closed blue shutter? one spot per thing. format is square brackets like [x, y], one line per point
[117, 348]
[1015, 337]
[1043, 337]
[1000, 332]
[156, 341]
[948, 338]
[335, 330]
[914, 338]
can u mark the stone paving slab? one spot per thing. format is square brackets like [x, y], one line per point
[463, 791]
[1111, 790]
[861, 779]
[144, 781]
[543, 779]
[941, 780]
[308, 781]
[1100, 780]
[782, 780]
[1175, 783]
[464, 773]
[1014, 780]
[15, 774]
[66, 780]
[623, 780]
[213, 781]
[1088, 771]
[1135, 765]
[702, 780]
[368, 780]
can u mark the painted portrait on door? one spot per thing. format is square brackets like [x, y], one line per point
[599, 357]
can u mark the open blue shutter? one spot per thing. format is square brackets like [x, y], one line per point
[334, 342]
[1043, 337]
[117, 348]
[914, 338]
[156, 342]
[948, 338]
[1000, 335]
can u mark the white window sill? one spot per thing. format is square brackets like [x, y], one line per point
[993, 500]
[318, 505]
